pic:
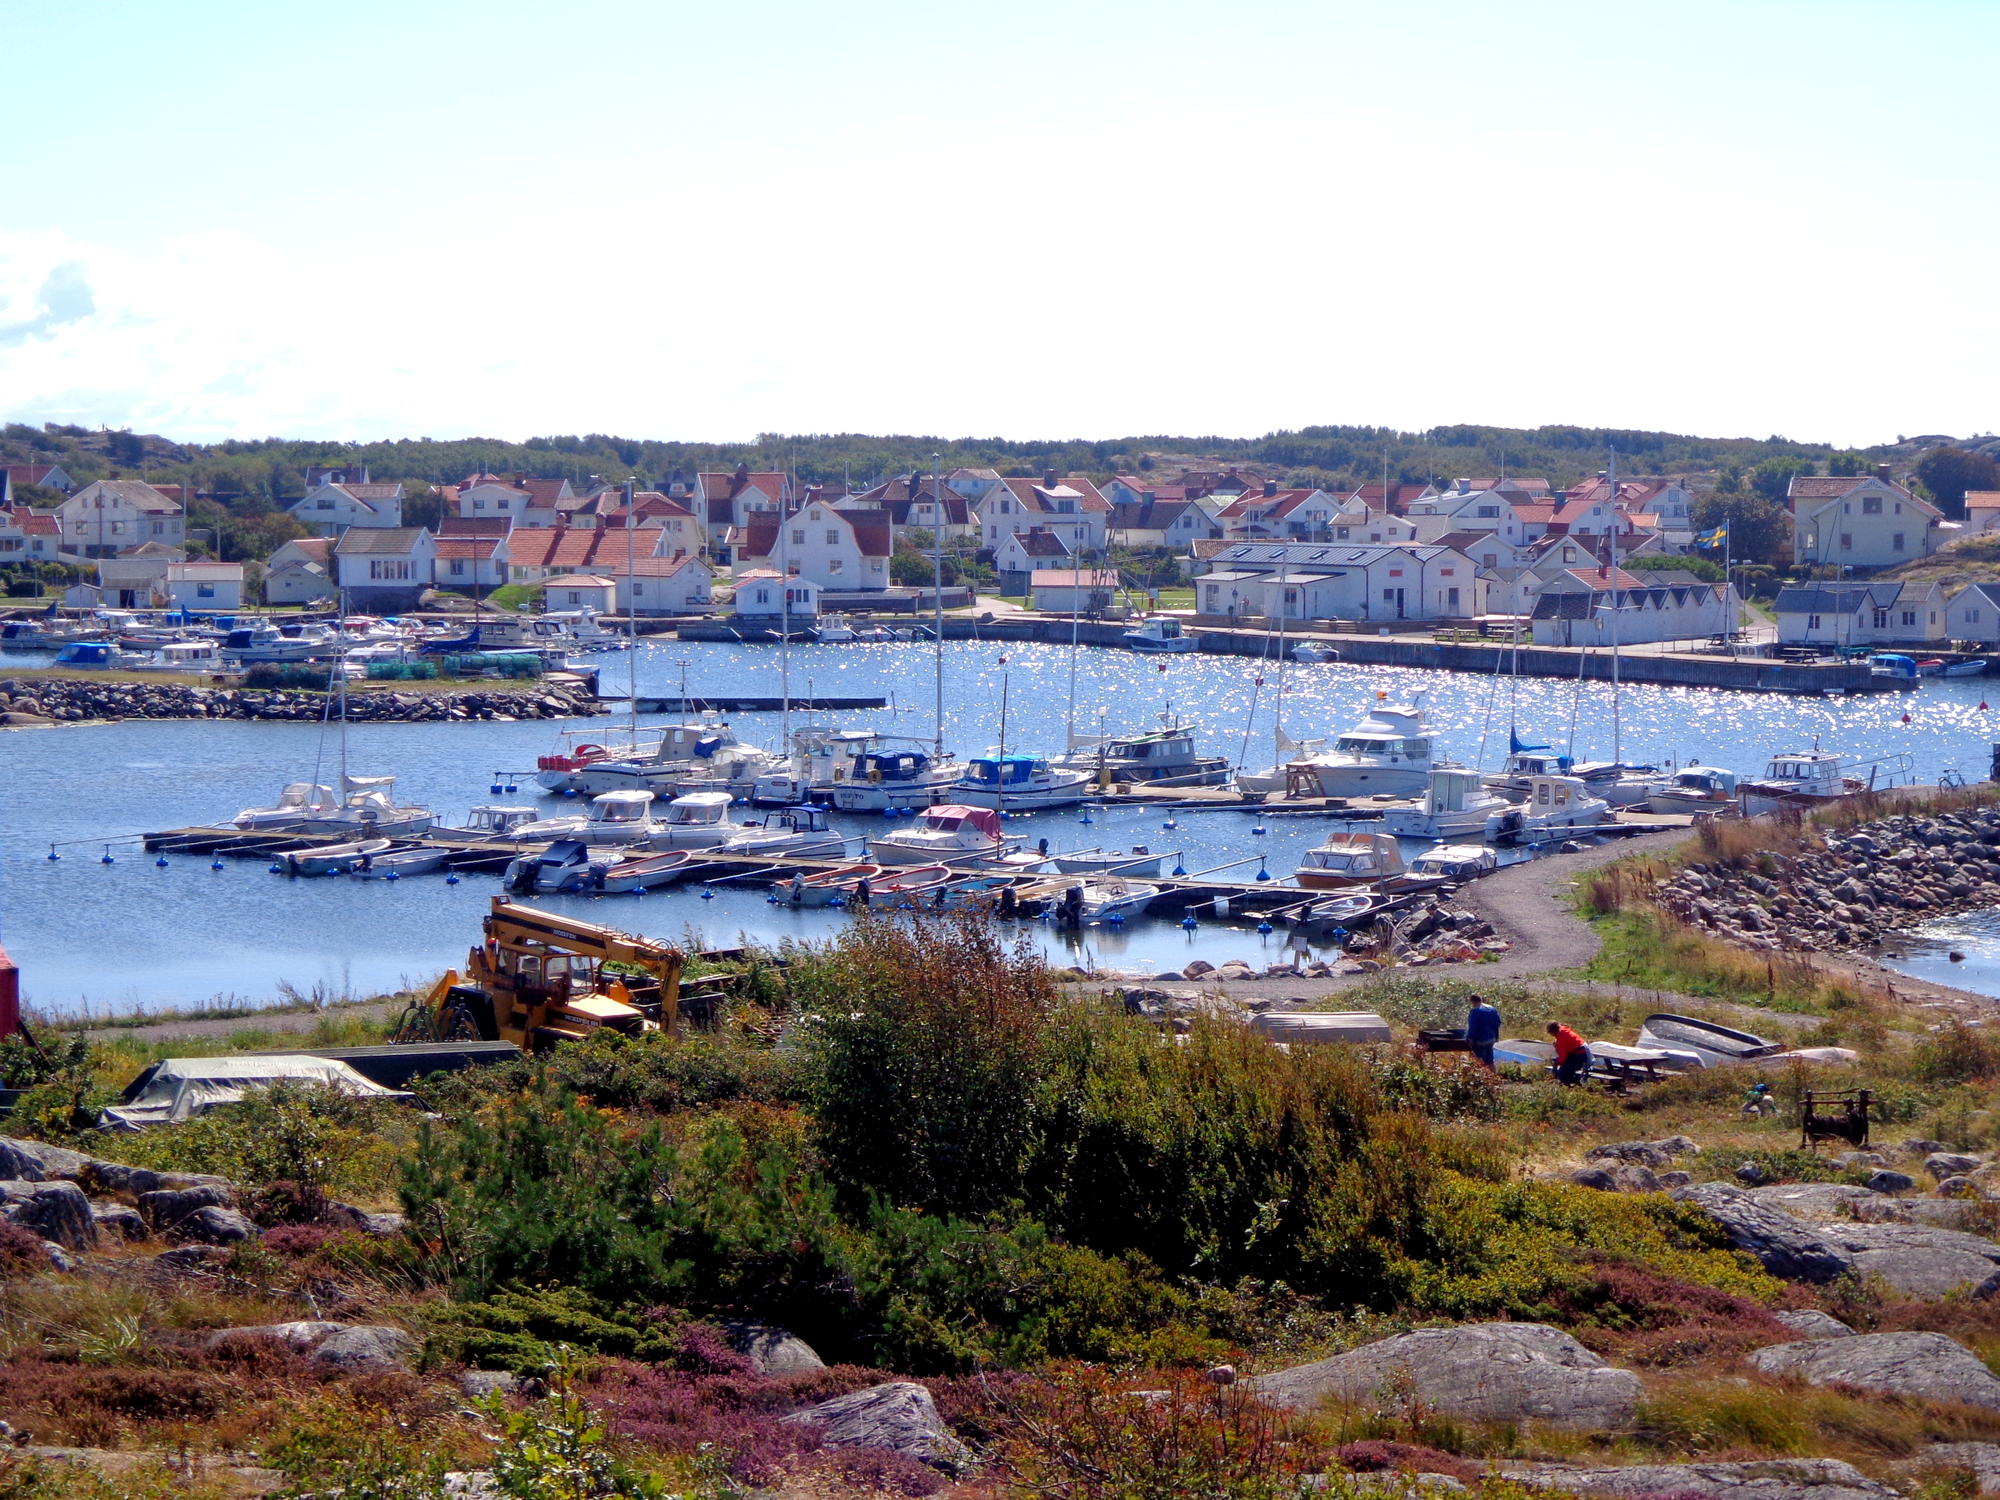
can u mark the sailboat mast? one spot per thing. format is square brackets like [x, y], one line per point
[784, 620]
[1617, 721]
[937, 601]
[632, 613]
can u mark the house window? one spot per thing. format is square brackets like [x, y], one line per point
[1909, 617]
[1871, 505]
[1847, 541]
[204, 591]
[325, 502]
[457, 568]
[1812, 622]
[1972, 617]
[1881, 619]
[834, 566]
[1451, 600]
[1896, 542]
[832, 537]
[1388, 596]
[798, 536]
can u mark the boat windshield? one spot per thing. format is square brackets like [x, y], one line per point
[1368, 744]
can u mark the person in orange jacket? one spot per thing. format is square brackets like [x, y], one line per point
[1572, 1055]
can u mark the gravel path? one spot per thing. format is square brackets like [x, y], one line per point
[263, 1020]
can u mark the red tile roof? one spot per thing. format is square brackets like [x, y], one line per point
[473, 525]
[1034, 494]
[573, 547]
[36, 522]
[480, 547]
[29, 473]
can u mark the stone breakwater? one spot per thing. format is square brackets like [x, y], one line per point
[52, 700]
[1850, 891]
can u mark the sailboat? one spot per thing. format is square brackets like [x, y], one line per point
[362, 806]
[1017, 783]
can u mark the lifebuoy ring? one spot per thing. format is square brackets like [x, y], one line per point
[874, 775]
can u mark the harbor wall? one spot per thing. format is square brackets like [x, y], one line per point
[25, 702]
[1746, 673]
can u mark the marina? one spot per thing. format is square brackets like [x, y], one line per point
[352, 936]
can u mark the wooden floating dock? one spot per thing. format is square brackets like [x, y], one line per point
[736, 703]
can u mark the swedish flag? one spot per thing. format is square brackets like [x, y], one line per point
[1713, 538]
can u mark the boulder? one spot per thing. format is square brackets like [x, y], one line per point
[1643, 1153]
[1928, 1366]
[117, 1219]
[1889, 1180]
[17, 1163]
[1854, 1238]
[216, 1226]
[1927, 1274]
[1762, 1479]
[1980, 1460]
[116, 1177]
[367, 1346]
[1813, 1323]
[51, 1162]
[1943, 1164]
[165, 1208]
[1786, 1246]
[479, 1384]
[300, 1335]
[771, 1350]
[899, 1416]
[1811, 1200]
[56, 1211]
[1487, 1372]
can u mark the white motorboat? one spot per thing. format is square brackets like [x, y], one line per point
[575, 867]
[1159, 633]
[1555, 805]
[294, 641]
[1312, 654]
[1966, 669]
[696, 820]
[496, 823]
[1619, 784]
[1019, 783]
[1798, 779]
[1113, 899]
[1456, 861]
[1695, 789]
[184, 656]
[612, 818]
[1387, 753]
[396, 864]
[328, 859]
[794, 832]
[953, 833]
[1158, 757]
[1456, 804]
[884, 779]
[1139, 864]
[827, 887]
[820, 760]
[1350, 857]
[582, 631]
[367, 805]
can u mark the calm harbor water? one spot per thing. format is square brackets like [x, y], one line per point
[103, 936]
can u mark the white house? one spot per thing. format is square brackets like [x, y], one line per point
[974, 484]
[1587, 614]
[911, 504]
[726, 500]
[766, 594]
[1151, 521]
[523, 501]
[1662, 505]
[47, 476]
[1073, 590]
[1335, 581]
[1071, 507]
[1859, 520]
[1974, 614]
[1460, 508]
[1354, 520]
[214, 586]
[842, 550]
[384, 569]
[110, 516]
[470, 564]
[1023, 553]
[1982, 512]
[1268, 512]
[678, 585]
[300, 572]
[329, 509]
[581, 591]
[29, 535]
[1861, 614]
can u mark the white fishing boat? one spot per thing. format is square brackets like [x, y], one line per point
[1159, 633]
[820, 760]
[1619, 784]
[496, 822]
[184, 656]
[1798, 779]
[791, 832]
[1966, 669]
[955, 834]
[1139, 863]
[885, 778]
[365, 804]
[1312, 653]
[1456, 861]
[1113, 898]
[1555, 805]
[1292, 766]
[294, 641]
[1455, 804]
[572, 866]
[1156, 757]
[398, 863]
[1387, 753]
[100, 656]
[1695, 789]
[612, 818]
[655, 759]
[1350, 858]
[328, 859]
[1019, 783]
[696, 820]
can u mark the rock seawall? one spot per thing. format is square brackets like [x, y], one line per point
[1849, 892]
[47, 700]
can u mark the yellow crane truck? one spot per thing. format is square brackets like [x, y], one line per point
[538, 978]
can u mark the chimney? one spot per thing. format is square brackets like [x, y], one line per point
[1463, 486]
[1882, 473]
[1270, 488]
[1049, 479]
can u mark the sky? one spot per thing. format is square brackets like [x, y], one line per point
[1093, 218]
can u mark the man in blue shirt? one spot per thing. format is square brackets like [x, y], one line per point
[1482, 1029]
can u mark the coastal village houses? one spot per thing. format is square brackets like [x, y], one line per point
[382, 569]
[28, 535]
[843, 551]
[1886, 613]
[1320, 581]
[329, 508]
[1973, 615]
[1614, 608]
[113, 516]
[301, 572]
[1070, 506]
[1859, 521]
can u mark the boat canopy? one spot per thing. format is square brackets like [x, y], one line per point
[621, 807]
[891, 765]
[1002, 769]
[948, 817]
[693, 807]
[177, 1088]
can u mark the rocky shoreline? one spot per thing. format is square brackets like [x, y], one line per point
[35, 702]
[1851, 891]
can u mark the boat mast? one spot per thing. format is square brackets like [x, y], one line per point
[785, 620]
[1617, 722]
[937, 601]
[632, 614]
